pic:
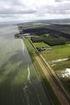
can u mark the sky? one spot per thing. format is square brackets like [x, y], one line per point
[29, 10]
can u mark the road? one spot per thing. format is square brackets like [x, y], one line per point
[54, 81]
[58, 90]
[19, 82]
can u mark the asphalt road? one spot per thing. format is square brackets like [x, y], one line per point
[19, 82]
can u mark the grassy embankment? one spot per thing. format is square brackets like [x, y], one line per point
[45, 82]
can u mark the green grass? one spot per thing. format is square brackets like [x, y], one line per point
[61, 65]
[66, 84]
[57, 52]
[29, 47]
[40, 44]
[45, 83]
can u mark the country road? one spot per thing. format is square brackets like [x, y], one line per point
[53, 81]
[50, 75]
[19, 81]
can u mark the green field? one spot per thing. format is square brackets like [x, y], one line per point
[61, 65]
[58, 52]
[44, 81]
[55, 53]
[40, 44]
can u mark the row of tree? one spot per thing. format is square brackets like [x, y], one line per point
[50, 40]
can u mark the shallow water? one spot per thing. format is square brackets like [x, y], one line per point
[19, 82]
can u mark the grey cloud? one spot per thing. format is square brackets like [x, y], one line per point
[57, 8]
[17, 9]
[17, 12]
[11, 1]
[61, 0]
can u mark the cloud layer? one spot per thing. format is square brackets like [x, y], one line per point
[28, 10]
